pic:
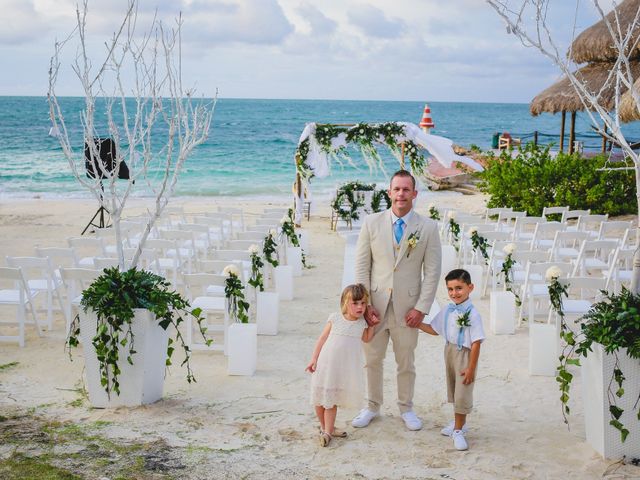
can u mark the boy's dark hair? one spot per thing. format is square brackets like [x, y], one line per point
[458, 274]
[403, 173]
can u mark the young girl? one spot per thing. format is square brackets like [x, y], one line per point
[337, 364]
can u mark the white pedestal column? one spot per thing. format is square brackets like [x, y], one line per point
[268, 313]
[543, 349]
[243, 348]
[294, 259]
[283, 275]
[502, 308]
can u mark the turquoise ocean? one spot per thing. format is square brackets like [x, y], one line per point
[251, 144]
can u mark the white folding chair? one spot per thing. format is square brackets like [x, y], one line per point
[591, 224]
[86, 249]
[492, 214]
[535, 293]
[570, 217]
[544, 234]
[41, 277]
[237, 217]
[214, 308]
[15, 291]
[620, 271]
[566, 245]
[556, 211]
[582, 293]
[594, 257]
[524, 227]
[614, 230]
[185, 245]
[75, 280]
[167, 265]
[507, 218]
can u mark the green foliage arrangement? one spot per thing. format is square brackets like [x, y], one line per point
[506, 270]
[534, 179]
[257, 279]
[346, 194]
[302, 152]
[234, 291]
[377, 198]
[434, 214]
[113, 296]
[269, 248]
[415, 156]
[288, 230]
[480, 244]
[614, 323]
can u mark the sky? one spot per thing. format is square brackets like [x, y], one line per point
[419, 50]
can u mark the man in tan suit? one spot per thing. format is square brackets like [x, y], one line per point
[398, 260]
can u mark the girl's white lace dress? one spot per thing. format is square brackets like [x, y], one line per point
[339, 376]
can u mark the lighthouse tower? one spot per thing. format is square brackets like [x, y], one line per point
[427, 123]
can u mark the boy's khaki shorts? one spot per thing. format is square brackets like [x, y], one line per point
[460, 395]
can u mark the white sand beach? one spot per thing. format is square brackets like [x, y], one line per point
[263, 426]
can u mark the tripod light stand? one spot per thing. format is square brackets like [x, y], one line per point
[102, 166]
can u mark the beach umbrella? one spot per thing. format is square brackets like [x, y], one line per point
[595, 43]
[426, 123]
[628, 110]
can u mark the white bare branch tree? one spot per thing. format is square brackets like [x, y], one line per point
[153, 120]
[528, 20]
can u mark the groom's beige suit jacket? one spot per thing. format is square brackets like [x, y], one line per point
[407, 277]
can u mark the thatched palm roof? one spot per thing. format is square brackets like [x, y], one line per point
[595, 43]
[628, 109]
[561, 96]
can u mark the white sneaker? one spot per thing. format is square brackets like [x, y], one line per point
[459, 441]
[364, 418]
[448, 430]
[411, 420]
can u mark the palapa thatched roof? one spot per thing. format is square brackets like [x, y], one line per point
[561, 96]
[595, 43]
[628, 109]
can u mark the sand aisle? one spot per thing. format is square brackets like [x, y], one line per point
[263, 427]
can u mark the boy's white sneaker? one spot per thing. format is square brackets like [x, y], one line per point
[448, 430]
[459, 441]
[364, 418]
[411, 420]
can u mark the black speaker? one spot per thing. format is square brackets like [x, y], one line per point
[106, 150]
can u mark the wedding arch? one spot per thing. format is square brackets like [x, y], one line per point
[321, 144]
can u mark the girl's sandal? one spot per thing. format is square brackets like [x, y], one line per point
[325, 439]
[339, 433]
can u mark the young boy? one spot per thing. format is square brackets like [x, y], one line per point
[461, 326]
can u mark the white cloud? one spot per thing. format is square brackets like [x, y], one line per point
[374, 23]
[21, 22]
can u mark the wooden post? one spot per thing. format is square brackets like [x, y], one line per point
[564, 116]
[535, 137]
[604, 140]
[402, 156]
[572, 133]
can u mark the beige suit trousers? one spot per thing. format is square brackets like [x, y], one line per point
[404, 340]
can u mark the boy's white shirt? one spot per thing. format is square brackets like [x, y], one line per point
[474, 332]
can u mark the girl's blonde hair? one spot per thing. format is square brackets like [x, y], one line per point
[355, 292]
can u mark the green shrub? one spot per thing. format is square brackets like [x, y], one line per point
[533, 180]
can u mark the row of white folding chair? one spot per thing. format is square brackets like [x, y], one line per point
[620, 271]
[14, 291]
[581, 293]
[466, 252]
[40, 276]
[212, 306]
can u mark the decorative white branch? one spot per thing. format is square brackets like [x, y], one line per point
[139, 80]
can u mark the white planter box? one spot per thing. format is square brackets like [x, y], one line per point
[502, 308]
[294, 260]
[596, 371]
[243, 348]
[140, 383]
[283, 275]
[268, 311]
[544, 343]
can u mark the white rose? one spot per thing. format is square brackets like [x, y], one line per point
[552, 272]
[361, 131]
[284, 220]
[431, 206]
[451, 214]
[273, 232]
[473, 230]
[509, 248]
[231, 269]
[253, 248]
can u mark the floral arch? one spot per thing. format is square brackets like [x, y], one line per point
[322, 144]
